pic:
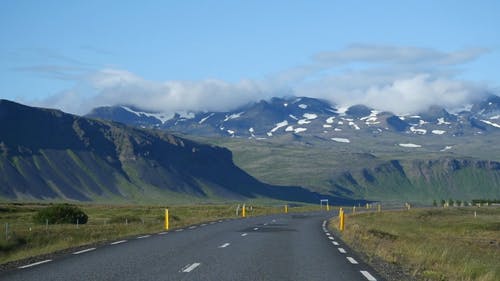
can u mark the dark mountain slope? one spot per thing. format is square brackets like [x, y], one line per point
[47, 154]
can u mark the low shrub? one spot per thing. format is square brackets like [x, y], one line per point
[62, 213]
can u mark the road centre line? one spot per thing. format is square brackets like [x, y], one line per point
[118, 242]
[244, 234]
[190, 267]
[342, 250]
[352, 260]
[367, 275]
[83, 251]
[35, 263]
[224, 245]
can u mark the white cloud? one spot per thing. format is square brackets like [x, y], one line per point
[398, 79]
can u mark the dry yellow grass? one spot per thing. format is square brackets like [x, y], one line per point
[106, 222]
[433, 244]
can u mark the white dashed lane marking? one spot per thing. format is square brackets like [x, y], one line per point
[192, 227]
[352, 260]
[162, 233]
[368, 276]
[342, 250]
[224, 245]
[335, 243]
[190, 267]
[35, 263]
[118, 242]
[83, 251]
[244, 234]
[256, 228]
[144, 236]
[179, 230]
[329, 237]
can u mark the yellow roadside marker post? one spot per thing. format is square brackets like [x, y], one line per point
[166, 220]
[286, 209]
[341, 219]
[243, 213]
[353, 209]
[379, 208]
[327, 206]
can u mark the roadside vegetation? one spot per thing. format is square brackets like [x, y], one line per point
[460, 244]
[31, 229]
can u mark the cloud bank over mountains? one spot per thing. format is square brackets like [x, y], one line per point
[397, 79]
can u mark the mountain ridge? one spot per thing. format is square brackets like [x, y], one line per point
[46, 154]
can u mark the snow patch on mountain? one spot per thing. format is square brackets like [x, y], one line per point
[303, 106]
[310, 116]
[491, 123]
[442, 122]
[342, 140]
[446, 148]
[206, 118]
[418, 131]
[279, 125]
[330, 120]
[160, 116]
[299, 130]
[233, 116]
[303, 122]
[410, 145]
[438, 132]
[354, 125]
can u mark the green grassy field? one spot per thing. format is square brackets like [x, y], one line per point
[20, 237]
[432, 244]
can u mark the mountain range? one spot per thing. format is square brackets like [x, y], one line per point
[305, 116]
[355, 152]
[47, 154]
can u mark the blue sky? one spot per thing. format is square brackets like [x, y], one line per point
[215, 55]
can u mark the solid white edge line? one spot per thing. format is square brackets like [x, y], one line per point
[144, 236]
[224, 245]
[35, 263]
[352, 260]
[244, 234]
[342, 250]
[191, 267]
[118, 242]
[162, 233]
[84, 251]
[367, 275]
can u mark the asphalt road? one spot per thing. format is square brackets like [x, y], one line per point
[277, 247]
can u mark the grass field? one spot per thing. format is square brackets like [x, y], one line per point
[20, 237]
[432, 244]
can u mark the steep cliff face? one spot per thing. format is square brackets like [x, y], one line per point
[47, 154]
[422, 180]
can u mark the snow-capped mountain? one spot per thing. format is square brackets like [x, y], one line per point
[309, 116]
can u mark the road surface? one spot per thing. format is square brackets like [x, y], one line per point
[276, 247]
